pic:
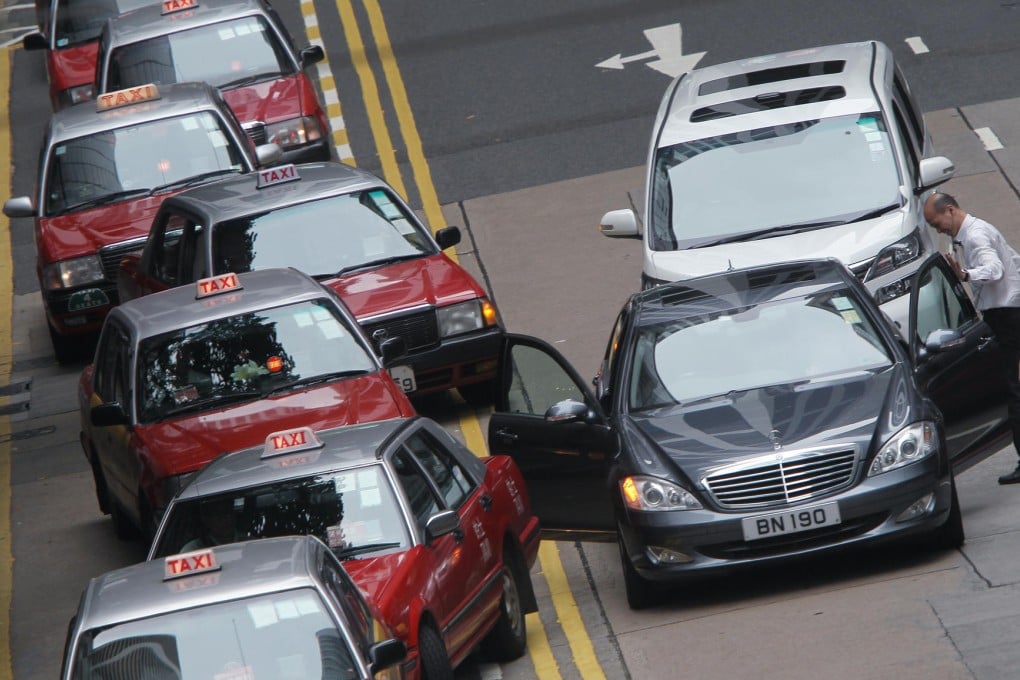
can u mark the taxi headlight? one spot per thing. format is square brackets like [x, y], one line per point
[72, 273]
[465, 317]
[294, 132]
[894, 256]
[909, 445]
[651, 495]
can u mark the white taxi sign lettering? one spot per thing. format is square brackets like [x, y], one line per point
[171, 6]
[277, 175]
[290, 441]
[186, 564]
[214, 285]
[131, 95]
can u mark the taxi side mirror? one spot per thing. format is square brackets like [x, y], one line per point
[387, 653]
[312, 54]
[391, 349]
[34, 41]
[448, 237]
[106, 415]
[267, 154]
[19, 206]
[440, 524]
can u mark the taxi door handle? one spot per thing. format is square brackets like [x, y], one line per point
[486, 502]
[506, 435]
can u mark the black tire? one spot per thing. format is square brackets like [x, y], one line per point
[66, 349]
[641, 593]
[123, 527]
[102, 496]
[950, 535]
[432, 656]
[479, 394]
[508, 639]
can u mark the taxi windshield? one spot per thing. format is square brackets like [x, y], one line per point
[322, 237]
[79, 21]
[133, 160]
[243, 357]
[354, 511]
[225, 54]
[288, 634]
[717, 354]
[812, 173]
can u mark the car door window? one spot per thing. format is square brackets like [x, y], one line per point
[941, 304]
[538, 382]
[417, 489]
[166, 248]
[439, 464]
[110, 373]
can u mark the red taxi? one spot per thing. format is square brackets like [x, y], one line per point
[238, 46]
[184, 375]
[104, 169]
[69, 32]
[441, 541]
[350, 230]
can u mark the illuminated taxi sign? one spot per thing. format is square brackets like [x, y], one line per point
[290, 441]
[127, 96]
[215, 285]
[278, 175]
[186, 564]
[171, 6]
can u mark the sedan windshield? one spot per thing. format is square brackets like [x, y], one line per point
[244, 357]
[285, 634]
[323, 237]
[353, 511]
[794, 341]
[244, 50]
[816, 172]
[134, 160]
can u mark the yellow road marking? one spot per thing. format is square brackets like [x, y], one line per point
[567, 613]
[6, 365]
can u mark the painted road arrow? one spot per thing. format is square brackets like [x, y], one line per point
[666, 51]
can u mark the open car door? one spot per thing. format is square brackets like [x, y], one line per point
[549, 422]
[958, 363]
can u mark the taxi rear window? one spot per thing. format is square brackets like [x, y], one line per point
[79, 21]
[225, 54]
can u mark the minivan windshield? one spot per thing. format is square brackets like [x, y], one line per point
[813, 173]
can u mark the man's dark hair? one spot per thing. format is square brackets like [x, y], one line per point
[942, 201]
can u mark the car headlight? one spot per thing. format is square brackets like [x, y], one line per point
[651, 494]
[77, 94]
[294, 132]
[648, 282]
[894, 256]
[73, 273]
[465, 317]
[909, 445]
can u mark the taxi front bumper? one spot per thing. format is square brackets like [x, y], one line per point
[459, 360]
[79, 311]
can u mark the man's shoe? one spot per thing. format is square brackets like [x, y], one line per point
[1012, 478]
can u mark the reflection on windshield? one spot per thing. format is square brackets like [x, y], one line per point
[817, 171]
[219, 54]
[137, 158]
[319, 237]
[79, 21]
[244, 355]
[348, 510]
[775, 343]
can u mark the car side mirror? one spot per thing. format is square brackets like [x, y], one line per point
[942, 339]
[392, 349]
[312, 54]
[19, 206]
[934, 171]
[105, 415]
[35, 41]
[448, 237]
[567, 411]
[620, 224]
[384, 654]
[440, 524]
[268, 154]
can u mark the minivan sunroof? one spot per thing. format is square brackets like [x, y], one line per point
[771, 75]
[766, 102]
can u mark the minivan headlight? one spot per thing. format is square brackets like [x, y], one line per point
[894, 256]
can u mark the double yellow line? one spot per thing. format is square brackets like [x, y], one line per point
[550, 566]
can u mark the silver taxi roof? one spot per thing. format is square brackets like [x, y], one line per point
[861, 60]
[176, 99]
[342, 447]
[247, 569]
[176, 308]
[149, 21]
[237, 196]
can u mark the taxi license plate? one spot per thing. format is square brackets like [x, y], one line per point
[790, 521]
[404, 377]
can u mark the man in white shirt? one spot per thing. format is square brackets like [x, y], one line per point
[992, 267]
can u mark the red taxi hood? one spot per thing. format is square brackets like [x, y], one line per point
[386, 581]
[86, 231]
[434, 280]
[72, 66]
[188, 443]
[269, 102]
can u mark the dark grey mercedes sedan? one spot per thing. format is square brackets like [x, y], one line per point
[754, 416]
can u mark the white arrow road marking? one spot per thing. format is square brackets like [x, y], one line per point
[666, 44]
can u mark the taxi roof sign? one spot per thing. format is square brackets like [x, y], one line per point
[215, 285]
[171, 6]
[277, 175]
[289, 441]
[186, 564]
[131, 95]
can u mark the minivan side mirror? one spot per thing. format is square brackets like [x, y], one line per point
[934, 171]
[620, 224]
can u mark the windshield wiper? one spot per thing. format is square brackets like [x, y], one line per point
[771, 232]
[350, 551]
[194, 179]
[316, 379]
[107, 199]
[369, 265]
[248, 80]
[877, 212]
[210, 401]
